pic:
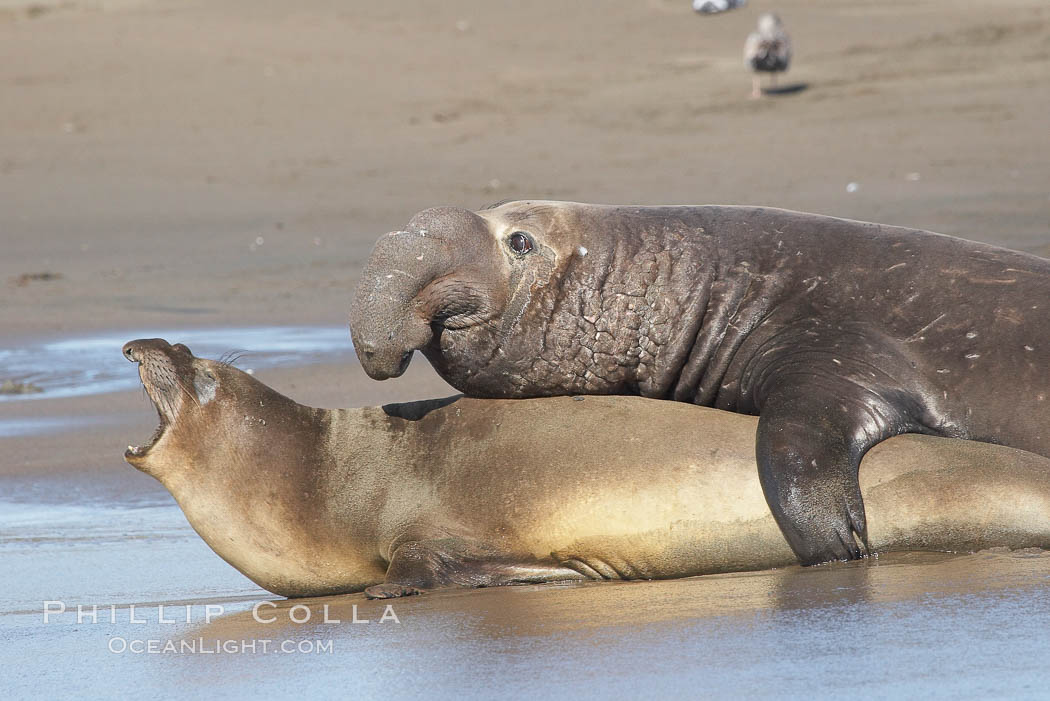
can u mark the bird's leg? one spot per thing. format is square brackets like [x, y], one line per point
[756, 87]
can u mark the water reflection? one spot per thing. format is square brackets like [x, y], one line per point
[904, 624]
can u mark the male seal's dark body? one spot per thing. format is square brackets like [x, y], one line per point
[476, 492]
[839, 334]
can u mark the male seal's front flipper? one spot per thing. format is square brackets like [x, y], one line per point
[809, 446]
[419, 565]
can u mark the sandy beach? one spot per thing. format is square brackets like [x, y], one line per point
[199, 167]
[146, 149]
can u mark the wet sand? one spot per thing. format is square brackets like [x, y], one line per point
[186, 165]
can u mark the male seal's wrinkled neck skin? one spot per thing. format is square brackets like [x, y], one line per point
[838, 333]
[473, 492]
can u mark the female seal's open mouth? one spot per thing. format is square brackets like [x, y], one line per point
[138, 451]
[160, 365]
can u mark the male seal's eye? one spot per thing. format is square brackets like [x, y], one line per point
[520, 243]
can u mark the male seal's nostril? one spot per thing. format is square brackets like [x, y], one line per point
[128, 351]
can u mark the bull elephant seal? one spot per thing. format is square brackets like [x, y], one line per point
[484, 492]
[839, 334]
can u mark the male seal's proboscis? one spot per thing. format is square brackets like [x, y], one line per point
[838, 334]
[468, 492]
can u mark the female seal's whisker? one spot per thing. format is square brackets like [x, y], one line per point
[187, 390]
[231, 357]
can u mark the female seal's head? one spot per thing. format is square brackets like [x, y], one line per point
[210, 413]
[177, 383]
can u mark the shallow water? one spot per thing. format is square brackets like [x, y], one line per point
[87, 538]
[914, 625]
[93, 364]
[62, 524]
[37, 425]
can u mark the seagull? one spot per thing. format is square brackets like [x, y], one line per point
[712, 7]
[767, 51]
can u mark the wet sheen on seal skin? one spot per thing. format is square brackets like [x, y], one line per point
[468, 492]
[838, 333]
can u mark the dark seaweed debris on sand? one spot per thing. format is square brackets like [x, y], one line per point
[26, 278]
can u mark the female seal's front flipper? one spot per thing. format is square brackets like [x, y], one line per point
[419, 565]
[809, 446]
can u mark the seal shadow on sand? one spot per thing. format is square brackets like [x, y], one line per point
[417, 410]
[787, 89]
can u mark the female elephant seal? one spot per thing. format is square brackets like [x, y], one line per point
[839, 334]
[484, 492]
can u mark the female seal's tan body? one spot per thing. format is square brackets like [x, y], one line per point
[473, 492]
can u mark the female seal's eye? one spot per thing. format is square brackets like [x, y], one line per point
[520, 243]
